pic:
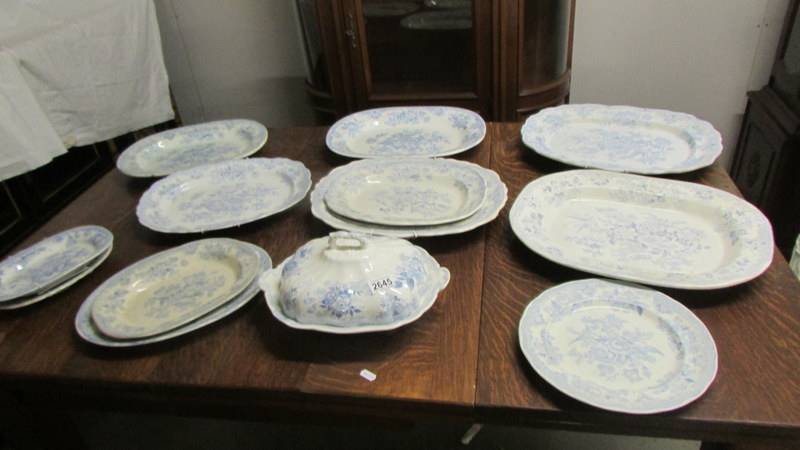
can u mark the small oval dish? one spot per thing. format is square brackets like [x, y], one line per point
[51, 261]
[406, 131]
[623, 138]
[195, 145]
[222, 195]
[173, 287]
[353, 283]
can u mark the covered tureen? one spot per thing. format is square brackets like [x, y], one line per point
[353, 283]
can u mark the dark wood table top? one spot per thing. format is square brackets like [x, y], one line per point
[460, 360]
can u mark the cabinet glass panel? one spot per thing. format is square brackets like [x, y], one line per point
[545, 41]
[309, 20]
[420, 46]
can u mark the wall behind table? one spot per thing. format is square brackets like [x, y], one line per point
[699, 57]
[237, 58]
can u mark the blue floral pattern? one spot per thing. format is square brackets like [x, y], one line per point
[623, 138]
[88, 331]
[222, 195]
[191, 146]
[317, 289]
[618, 346]
[171, 288]
[655, 231]
[407, 192]
[420, 131]
[51, 260]
[496, 197]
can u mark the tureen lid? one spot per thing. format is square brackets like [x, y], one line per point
[353, 282]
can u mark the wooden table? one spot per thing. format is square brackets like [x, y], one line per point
[460, 361]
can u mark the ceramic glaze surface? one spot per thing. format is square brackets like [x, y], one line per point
[618, 346]
[623, 138]
[89, 332]
[655, 231]
[355, 283]
[496, 196]
[418, 131]
[407, 192]
[51, 261]
[223, 195]
[191, 146]
[81, 273]
[172, 287]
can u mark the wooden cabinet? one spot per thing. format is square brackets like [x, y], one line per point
[502, 58]
[766, 166]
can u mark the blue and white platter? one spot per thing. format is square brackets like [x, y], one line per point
[191, 146]
[173, 287]
[52, 261]
[84, 271]
[407, 192]
[623, 138]
[496, 196]
[223, 195]
[406, 131]
[618, 346]
[89, 332]
[650, 230]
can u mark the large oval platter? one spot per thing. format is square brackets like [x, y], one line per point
[496, 196]
[89, 332]
[618, 346]
[654, 231]
[623, 138]
[191, 146]
[223, 195]
[172, 288]
[407, 192]
[406, 131]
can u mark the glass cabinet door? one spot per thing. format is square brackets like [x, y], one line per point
[421, 51]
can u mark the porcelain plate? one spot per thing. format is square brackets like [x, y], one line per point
[407, 192]
[223, 195]
[623, 138]
[191, 146]
[618, 346]
[649, 230]
[407, 131]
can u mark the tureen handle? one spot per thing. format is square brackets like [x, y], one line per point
[344, 240]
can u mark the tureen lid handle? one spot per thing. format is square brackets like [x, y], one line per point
[344, 240]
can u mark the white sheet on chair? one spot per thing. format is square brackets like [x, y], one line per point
[75, 73]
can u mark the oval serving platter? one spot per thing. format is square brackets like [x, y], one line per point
[87, 330]
[223, 195]
[195, 145]
[618, 346]
[406, 192]
[51, 261]
[648, 230]
[406, 131]
[623, 138]
[173, 287]
[496, 196]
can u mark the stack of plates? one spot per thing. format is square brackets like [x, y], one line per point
[52, 265]
[172, 293]
[408, 197]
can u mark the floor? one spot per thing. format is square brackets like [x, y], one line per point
[125, 431]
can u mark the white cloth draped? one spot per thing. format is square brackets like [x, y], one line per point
[75, 73]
